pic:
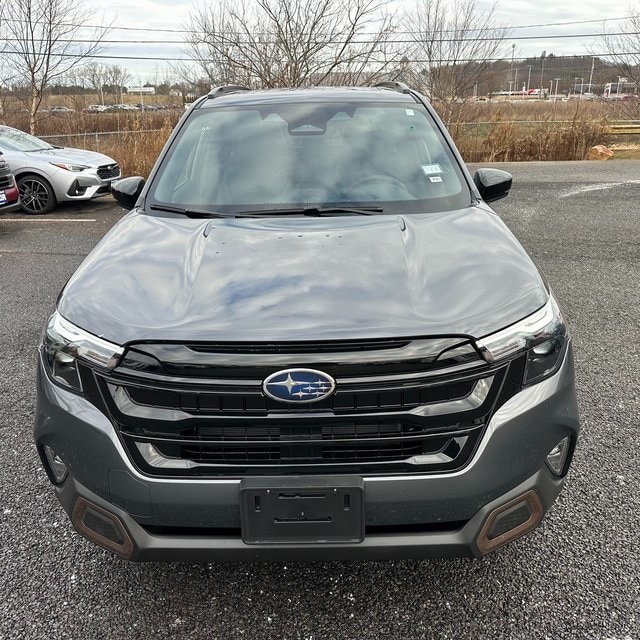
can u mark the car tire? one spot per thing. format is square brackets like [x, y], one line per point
[36, 194]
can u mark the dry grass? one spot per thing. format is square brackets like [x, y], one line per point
[548, 140]
[80, 123]
[135, 151]
[566, 131]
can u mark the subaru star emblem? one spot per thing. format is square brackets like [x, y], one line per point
[299, 385]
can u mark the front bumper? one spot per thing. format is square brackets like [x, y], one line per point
[405, 515]
[9, 208]
[84, 185]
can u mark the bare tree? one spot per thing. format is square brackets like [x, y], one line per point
[41, 43]
[455, 43]
[4, 75]
[274, 43]
[624, 54]
[117, 77]
[94, 76]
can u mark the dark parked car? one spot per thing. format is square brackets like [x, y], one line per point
[310, 338]
[9, 194]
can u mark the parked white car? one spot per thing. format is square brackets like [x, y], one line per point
[96, 108]
[47, 175]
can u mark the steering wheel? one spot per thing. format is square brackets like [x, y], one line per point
[377, 178]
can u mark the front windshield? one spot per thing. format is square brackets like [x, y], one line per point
[272, 156]
[15, 140]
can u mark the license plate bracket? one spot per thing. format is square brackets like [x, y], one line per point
[302, 510]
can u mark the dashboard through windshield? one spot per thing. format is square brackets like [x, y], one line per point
[323, 154]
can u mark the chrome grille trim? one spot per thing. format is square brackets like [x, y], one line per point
[472, 401]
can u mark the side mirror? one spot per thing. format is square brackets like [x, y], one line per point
[127, 191]
[493, 184]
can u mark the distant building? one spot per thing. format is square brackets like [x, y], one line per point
[149, 91]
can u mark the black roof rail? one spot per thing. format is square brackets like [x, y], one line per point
[394, 85]
[226, 88]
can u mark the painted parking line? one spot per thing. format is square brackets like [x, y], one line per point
[50, 221]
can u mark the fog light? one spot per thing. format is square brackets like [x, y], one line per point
[558, 456]
[57, 467]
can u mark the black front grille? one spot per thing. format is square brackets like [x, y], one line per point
[378, 421]
[308, 449]
[255, 403]
[108, 171]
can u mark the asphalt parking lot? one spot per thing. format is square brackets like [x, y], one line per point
[577, 576]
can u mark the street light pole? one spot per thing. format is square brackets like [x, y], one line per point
[581, 85]
[542, 74]
[529, 78]
[590, 85]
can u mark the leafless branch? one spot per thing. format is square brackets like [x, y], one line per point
[40, 43]
[274, 43]
[458, 39]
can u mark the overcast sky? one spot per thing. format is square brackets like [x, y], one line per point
[174, 14]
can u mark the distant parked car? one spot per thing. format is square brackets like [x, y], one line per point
[96, 108]
[9, 195]
[122, 107]
[47, 174]
[61, 109]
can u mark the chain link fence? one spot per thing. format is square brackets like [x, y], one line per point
[135, 150]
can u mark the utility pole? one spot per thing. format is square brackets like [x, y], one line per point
[555, 94]
[581, 85]
[590, 85]
[529, 78]
[543, 56]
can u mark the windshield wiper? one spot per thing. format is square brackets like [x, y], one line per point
[310, 211]
[190, 213]
[252, 213]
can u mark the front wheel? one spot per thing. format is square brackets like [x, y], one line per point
[36, 195]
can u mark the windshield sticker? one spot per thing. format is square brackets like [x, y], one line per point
[429, 169]
[435, 179]
[409, 112]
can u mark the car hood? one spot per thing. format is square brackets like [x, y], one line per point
[253, 279]
[69, 155]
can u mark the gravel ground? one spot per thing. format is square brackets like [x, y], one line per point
[577, 576]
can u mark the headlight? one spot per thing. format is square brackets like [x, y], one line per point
[543, 336]
[76, 168]
[64, 344]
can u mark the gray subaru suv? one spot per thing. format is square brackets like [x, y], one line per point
[310, 338]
